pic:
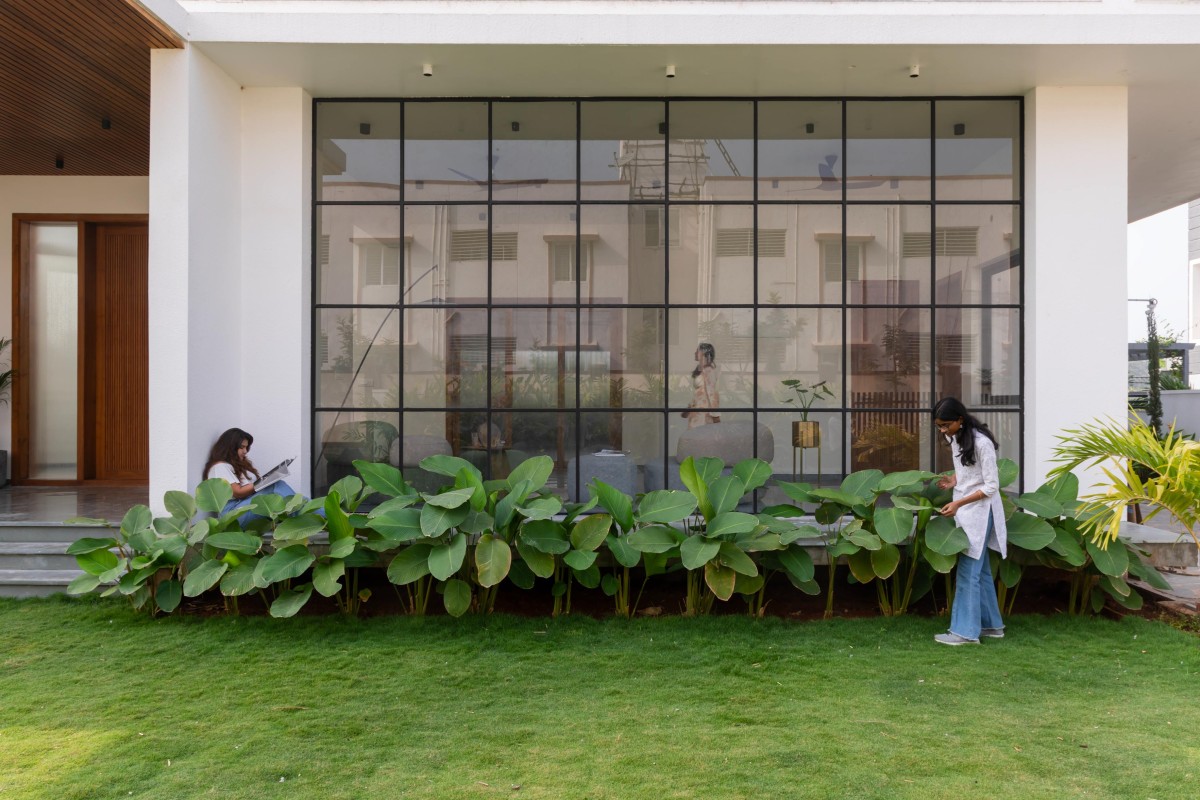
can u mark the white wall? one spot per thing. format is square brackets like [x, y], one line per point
[276, 283]
[1075, 261]
[196, 342]
[1158, 268]
[27, 194]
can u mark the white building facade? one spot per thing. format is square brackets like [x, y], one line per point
[500, 229]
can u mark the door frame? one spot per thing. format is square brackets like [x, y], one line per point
[21, 330]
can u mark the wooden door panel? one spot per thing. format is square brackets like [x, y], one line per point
[116, 409]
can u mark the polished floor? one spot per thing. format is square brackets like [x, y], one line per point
[50, 504]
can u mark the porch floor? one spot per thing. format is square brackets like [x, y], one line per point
[54, 504]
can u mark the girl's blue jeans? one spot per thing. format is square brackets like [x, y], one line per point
[975, 605]
[280, 488]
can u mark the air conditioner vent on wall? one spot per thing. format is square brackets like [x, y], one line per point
[472, 245]
[963, 241]
[772, 242]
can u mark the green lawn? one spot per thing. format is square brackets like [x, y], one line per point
[98, 703]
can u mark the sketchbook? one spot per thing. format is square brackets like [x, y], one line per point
[273, 475]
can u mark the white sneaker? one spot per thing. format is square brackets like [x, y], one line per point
[992, 633]
[953, 639]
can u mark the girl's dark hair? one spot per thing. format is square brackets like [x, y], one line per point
[226, 449]
[709, 354]
[949, 409]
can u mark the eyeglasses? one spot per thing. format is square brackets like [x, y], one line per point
[945, 426]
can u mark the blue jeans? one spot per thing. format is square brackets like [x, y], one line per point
[975, 604]
[280, 488]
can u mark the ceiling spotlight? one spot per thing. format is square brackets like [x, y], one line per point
[959, 129]
[427, 70]
[914, 71]
[670, 70]
[809, 127]
[364, 128]
[516, 127]
[58, 162]
[106, 123]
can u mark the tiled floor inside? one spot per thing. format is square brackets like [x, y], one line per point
[58, 503]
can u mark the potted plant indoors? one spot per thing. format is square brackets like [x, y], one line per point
[806, 433]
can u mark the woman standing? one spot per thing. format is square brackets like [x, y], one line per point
[703, 410]
[977, 509]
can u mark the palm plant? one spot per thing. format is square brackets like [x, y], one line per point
[1141, 467]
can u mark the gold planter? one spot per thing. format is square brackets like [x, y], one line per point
[806, 434]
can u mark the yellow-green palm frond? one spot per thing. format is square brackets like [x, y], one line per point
[1140, 468]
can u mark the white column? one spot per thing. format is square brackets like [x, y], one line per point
[1076, 168]
[194, 274]
[276, 280]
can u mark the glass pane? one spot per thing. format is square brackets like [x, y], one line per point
[978, 355]
[800, 254]
[891, 441]
[978, 257]
[358, 151]
[533, 151]
[888, 255]
[729, 332]
[359, 255]
[340, 439]
[622, 150]
[534, 254]
[427, 433]
[446, 357]
[446, 254]
[889, 358]
[978, 149]
[801, 344]
[800, 151]
[712, 150]
[805, 450]
[1005, 426]
[617, 447]
[53, 351]
[445, 151]
[888, 150]
[525, 435]
[628, 246]
[712, 260]
[533, 362]
[358, 357]
[737, 438]
[621, 358]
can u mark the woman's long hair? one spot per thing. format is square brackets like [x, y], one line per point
[949, 409]
[708, 356]
[226, 449]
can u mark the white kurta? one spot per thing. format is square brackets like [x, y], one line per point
[983, 476]
[224, 470]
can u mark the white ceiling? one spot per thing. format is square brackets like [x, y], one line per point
[1164, 99]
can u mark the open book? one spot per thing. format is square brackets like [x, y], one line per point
[273, 475]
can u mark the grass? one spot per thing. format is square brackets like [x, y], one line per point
[98, 703]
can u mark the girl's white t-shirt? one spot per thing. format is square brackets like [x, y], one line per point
[222, 469]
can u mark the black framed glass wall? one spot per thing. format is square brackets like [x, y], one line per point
[500, 279]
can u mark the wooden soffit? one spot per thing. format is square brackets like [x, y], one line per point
[66, 67]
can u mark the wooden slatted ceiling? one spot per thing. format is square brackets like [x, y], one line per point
[66, 65]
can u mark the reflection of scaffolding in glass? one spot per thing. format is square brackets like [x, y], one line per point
[641, 163]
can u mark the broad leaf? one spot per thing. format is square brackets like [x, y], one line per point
[709, 468]
[445, 465]
[471, 479]
[237, 541]
[1010, 572]
[591, 531]
[239, 580]
[335, 518]
[753, 473]
[621, 550]
[539, 563]
[290, 601]
[895, 480]
[410, 564]
[615, 502]
[885, 560]
[942, 536]
[545, 535]
[696, 485]
[1028, 532]
[88, 545]
[519, 573]
[383, 478]
[1008, 471]
[541, 508]
[861, 567]
[213, 494]
[865, 539]
[862, 484]
[170, 526]
[298, 527]
[506, 509]
[732, 556]
[96, 562]
[455, 498]
[801, 532]
[445, 560]
[1064, 489]
[204, 577]
[798, 563]
[910, 503]
[1112, 561]
[894, 525]
[326, 576]
[579, 559]
[940, 563]
[436, 520]
[399, 525]
[1147, 573]
[536, 470]
[456, 597]
[748, 584]
[83, 584]
[179, 504]
[666, 506]
[588, 578]
[730, 523]
[721, 580]
[1066, 545]
[837, 496]
[1044, 505]
[492, 560]
[167, 595]
[290, 562]
[654, 539]
[800, 492]
[696, 551]
[725, 493]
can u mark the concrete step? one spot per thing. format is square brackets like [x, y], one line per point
[1164, 548]
[35, 556]
[49, 532]
[35, 582]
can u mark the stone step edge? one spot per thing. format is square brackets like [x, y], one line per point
[38, 577]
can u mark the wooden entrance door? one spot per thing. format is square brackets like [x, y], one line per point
[115, 411]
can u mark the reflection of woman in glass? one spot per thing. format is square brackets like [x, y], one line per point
[703, 410]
